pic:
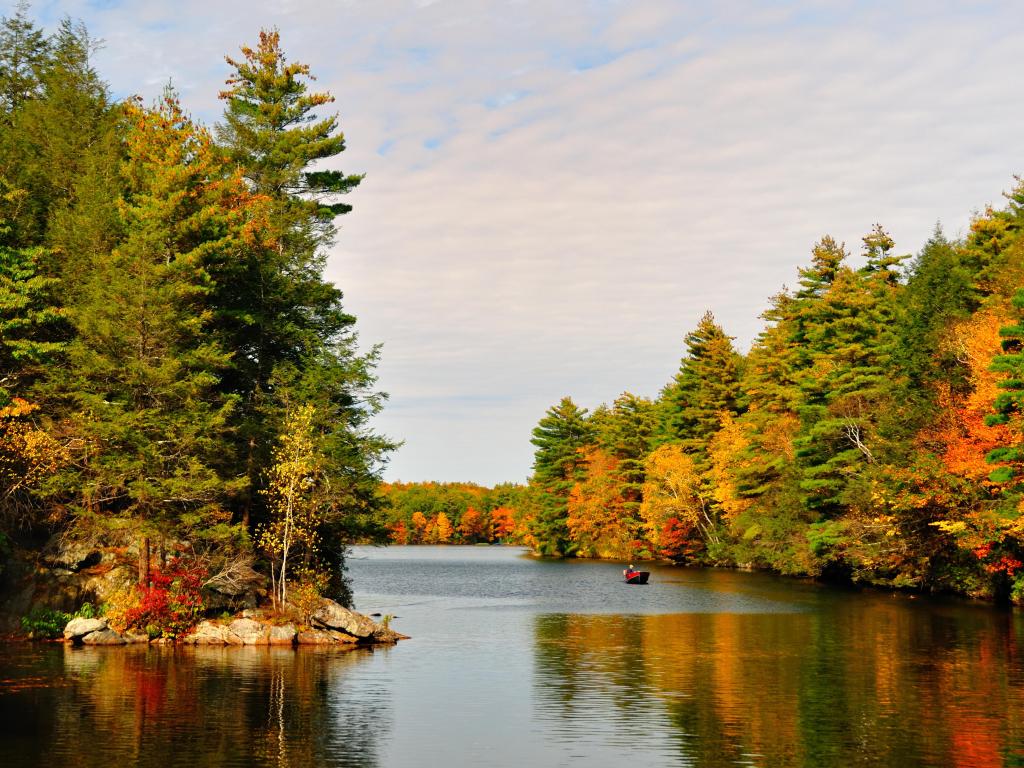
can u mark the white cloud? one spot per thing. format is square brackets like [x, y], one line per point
[599, 176]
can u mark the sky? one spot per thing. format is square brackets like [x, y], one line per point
[557, 191]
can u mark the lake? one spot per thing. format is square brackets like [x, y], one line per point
[517, 661]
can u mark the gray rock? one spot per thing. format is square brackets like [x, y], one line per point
[325, 637]
[135, 638]
[385, 635]
[67, 554]
[79, 628]
[105, 636]
[282, 635]
[330, 615]
[250, 631]
[211, 633]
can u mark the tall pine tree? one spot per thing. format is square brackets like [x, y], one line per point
[558, 463]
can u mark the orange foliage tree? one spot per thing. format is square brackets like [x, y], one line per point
[419, 528]
[474, 527]
[504, 522]
[597, 519]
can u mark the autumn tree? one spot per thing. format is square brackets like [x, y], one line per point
[419, 527]
[596, 516]
[295, 496]
[443, 528]
[28, 454]
[473, 527]
[676, 501]
[504, 523]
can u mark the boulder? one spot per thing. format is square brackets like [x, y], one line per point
[211, 633]
[282, 635]
[66, 554]
[76, 629]
[238, 586]
[135, 638]
[104, 636]
[325, 637]
[250, 631]
[330, 615]
[385, 635]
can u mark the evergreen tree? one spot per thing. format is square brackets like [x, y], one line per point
[142, 374]
[285, 322]
[851, 344]
[938, 292]
[627, 432]
[24, 51]
[707, 385]
[58, 142]
[1009, 404]
[993, 251]
[558, 464]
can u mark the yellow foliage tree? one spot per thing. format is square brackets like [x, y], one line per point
[443, 527]
[27, 454]
[294, 498]
[726, 450]
[674, 489]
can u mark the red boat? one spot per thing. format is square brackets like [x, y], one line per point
[636, 577]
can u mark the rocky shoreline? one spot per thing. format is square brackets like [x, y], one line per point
[330, 624]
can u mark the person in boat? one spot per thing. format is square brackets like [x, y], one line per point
[629, 570]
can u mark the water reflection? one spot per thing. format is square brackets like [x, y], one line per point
[198, 707]
[870, 682]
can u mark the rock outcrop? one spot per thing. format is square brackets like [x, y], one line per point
[91, 632]
[330, 615]
[332, 624]
[105, 636]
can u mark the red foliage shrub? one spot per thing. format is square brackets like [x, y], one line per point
[173, 602]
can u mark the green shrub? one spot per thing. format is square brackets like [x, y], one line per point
[44, 622]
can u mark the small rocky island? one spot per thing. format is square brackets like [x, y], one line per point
[89, 595]
[330, 624]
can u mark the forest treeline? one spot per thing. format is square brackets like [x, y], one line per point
[873, 433]
[177, 378]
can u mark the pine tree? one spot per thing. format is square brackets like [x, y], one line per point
[845, 390]
[24, 51]
[993, 252]
[285, 322]
[938, 292]
[707, 385]
[1009, 403]
[626, 432]
[142, 373]
[558, 464]
[57, 141]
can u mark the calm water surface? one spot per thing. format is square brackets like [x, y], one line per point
[516, 661]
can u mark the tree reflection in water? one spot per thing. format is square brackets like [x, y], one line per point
[872, 682]
[197, 707]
